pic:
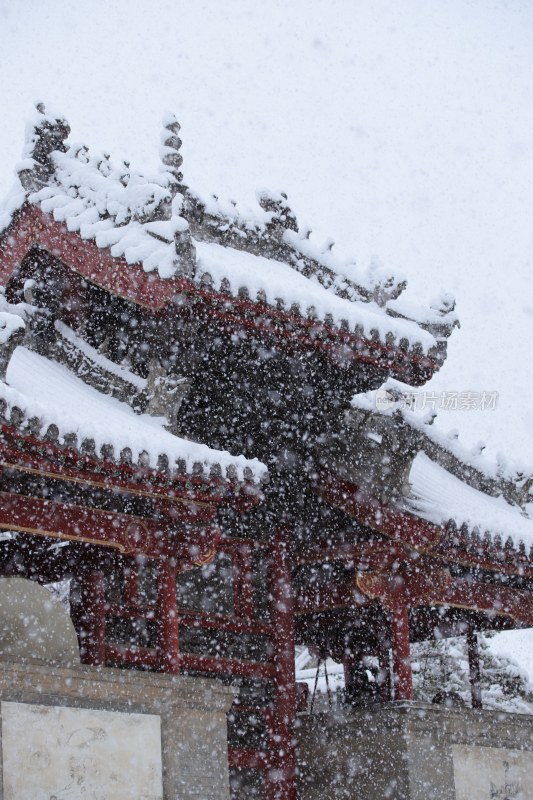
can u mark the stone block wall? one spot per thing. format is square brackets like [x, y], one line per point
[101, 724]
[414, 751]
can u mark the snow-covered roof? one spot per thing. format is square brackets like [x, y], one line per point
[416, 410]
[48, 391]
[395, 453]
[45, 393]
[440, 497]
[158, 222]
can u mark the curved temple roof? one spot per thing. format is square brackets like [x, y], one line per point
[256, 254]
[51, 393]
[432, 476]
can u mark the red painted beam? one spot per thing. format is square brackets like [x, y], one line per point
[33, 227]
[313, 599]
[247, 759]
[25, 453]
[425, 584]
[128, 534]
[373, 554]
[415, 582]
[222, 623]
[131, 656]
[191, 619]
[489, 599]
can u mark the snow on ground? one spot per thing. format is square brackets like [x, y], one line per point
[517, 645]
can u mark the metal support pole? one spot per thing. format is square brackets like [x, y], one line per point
[403, 680]
[167, 618]
[281, 773]
[475, 669]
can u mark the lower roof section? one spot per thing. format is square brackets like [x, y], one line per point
[53, 395]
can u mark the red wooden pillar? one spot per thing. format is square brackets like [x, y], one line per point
[91, 616]
[475, 670]
[243, 601]
[281, 772]
[403, 681]
[167, 618]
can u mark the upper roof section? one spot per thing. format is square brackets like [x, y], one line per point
[155, 238]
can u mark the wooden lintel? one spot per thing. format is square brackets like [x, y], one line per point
[225, 666]
[375, 555]
[124, 533]
[413, 584]
[490, 599]
[421, 583]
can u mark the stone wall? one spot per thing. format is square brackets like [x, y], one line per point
[413, 751]
[180, 721]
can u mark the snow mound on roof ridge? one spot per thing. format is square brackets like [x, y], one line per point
[114, 206]
[10, 204]
[22, 310]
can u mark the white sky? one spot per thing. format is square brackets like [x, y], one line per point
[402, 129]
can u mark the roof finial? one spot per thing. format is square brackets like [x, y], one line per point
[170, 150]
[45, 134]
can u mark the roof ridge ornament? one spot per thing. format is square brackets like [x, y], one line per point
[169, 152]
[46, 133]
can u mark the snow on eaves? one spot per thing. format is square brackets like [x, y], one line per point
[395, 397]
[48, 391]
[278, 281]
[447, 482]
[440, 497]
